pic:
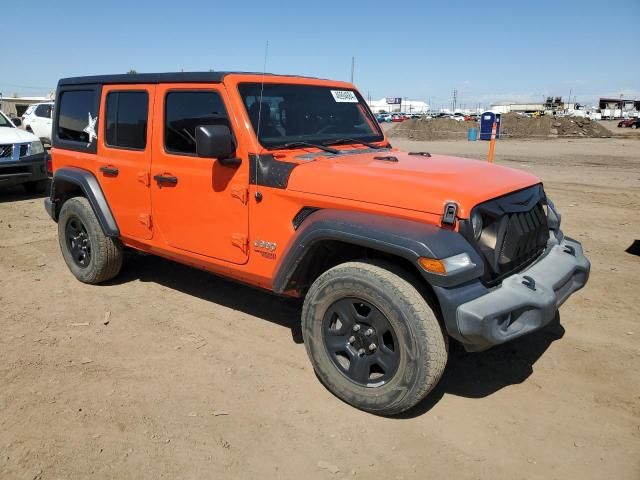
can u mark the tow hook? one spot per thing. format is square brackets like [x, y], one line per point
[529, 282]
[570, 250]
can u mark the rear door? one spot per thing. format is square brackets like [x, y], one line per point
[199, 205]
[124, 155]
[41, 121]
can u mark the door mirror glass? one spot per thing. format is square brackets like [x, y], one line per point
[214, 141]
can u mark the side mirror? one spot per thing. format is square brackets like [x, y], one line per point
[216, 141]
[16, 121]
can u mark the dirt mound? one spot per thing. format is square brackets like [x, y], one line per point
[513, 126]
[433, 129]
[549, 126]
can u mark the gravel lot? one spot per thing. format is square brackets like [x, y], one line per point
[171, 372]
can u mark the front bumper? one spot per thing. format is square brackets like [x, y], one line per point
[27, 169]
[523, 303]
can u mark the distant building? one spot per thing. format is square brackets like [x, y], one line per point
[619, 108]
[552, 104]
[16, 106]
[393, 104]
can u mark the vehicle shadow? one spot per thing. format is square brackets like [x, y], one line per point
[17, 193]
[469, 375]
[191, 281]
[478, 375]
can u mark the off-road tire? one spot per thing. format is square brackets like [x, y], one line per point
[634, 126]
[423, 344]
[38, 186]
[106, 252]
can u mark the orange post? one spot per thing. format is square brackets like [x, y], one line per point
[492, 143]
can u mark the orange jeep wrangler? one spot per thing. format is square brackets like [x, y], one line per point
[288, 184]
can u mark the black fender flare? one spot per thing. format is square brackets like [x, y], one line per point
[66, 180]
[407, 239]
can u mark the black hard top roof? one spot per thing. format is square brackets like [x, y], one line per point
[172, 77]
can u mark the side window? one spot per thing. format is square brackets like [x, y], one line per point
[184, 111]
[43, 111]
[77, 114]
[126, 119]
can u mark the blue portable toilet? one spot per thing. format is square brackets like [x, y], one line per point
[486, 124]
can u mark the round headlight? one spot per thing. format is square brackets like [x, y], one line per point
[476, 224]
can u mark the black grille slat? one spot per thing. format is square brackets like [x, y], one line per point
[23, 150]
[5, 151]
[524, 239]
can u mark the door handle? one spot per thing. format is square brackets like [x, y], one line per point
[109, 171]
[165, 180]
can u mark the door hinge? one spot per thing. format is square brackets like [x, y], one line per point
[241, 241]
[145, 219]
[240, 192]
[144, 178]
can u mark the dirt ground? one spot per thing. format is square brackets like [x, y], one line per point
[168, 372]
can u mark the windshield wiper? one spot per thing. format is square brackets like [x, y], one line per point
[307, 144]
[352, 140]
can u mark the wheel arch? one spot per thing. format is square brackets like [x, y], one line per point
[329, 237]
[69, 182]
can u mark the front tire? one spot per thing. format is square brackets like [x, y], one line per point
[372, 338]
[91, 256]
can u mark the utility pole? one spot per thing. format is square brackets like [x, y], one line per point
[353, 67]
[455, 100]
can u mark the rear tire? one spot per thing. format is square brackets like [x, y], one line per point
[634, 126]
[91, 256]
[406, 337]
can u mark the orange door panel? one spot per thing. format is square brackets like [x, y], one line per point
[124, 155]
[199, 205]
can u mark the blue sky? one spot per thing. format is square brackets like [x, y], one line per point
[512, 50]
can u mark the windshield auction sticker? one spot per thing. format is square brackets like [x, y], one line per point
[344, 96]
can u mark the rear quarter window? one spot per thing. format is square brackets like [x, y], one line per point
[76, 118]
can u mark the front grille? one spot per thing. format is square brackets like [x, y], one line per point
[5, 151]
[524, 238]
[514, 234]
[24, 148]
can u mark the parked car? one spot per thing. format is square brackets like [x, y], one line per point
[422, 250]
[635, 124]
[22, 157]
[627, 123]
[459, 117]
[37, 120]
[398, 117]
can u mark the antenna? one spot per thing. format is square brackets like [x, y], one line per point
[258, 150]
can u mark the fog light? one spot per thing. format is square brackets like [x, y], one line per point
[447, 265]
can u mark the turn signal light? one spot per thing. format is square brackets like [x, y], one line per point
[447, 266]
[432, 265]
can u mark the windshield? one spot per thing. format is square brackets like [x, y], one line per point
[308, 113]
[4, 121]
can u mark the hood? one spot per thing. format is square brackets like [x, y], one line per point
[15, 135]
[414, 182]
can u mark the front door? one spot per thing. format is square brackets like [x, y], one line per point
[124, 155]
[199, 205]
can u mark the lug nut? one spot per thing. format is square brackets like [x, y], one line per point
[356, 327]
[352, 340]
[372, 347]
[369, 332]
[361, 351]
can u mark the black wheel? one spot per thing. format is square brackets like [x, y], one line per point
[36, 187]
[372, 337]
[634, 125]
[91, 256]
